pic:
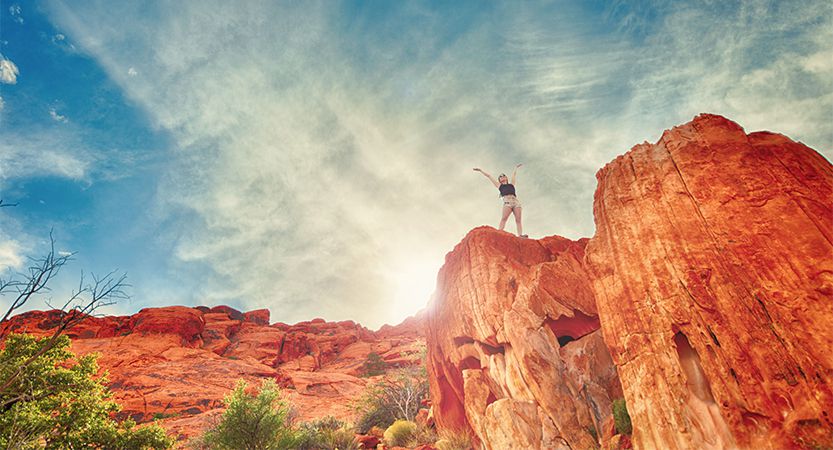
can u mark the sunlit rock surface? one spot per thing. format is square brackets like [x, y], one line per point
[710, 279]
[713, 273]
[178, 363]
[514, 348]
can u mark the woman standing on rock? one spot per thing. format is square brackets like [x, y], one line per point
[511, 204]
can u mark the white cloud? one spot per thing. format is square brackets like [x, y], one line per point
[8, 71]
[10, 255]
[132, 72]
[56, 116]
[43, 153]
[15, 12]
[2, 104]
[321, 168]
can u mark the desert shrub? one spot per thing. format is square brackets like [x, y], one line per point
[399, 433]
[397, 397]
[422, 435]
[373, 365]
[341, 439]
[621, 418]
[326, 433]
[454, 440]
[163, 415]
[374, 415]
[253, 422]
[51, 399]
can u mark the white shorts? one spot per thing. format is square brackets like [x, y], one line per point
[511, 201]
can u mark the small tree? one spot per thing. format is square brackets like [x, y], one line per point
[399, 396]
[374, 365]
[58, 404]
[253, 422]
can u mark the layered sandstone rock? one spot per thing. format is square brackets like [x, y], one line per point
[178, 363]
[711, 276]
[514, 348]
[713, 273]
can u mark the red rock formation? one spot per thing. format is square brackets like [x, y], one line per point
[713, 268]
[712, 272]
[510, 331]
[179, 363]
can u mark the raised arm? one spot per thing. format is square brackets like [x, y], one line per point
[515, 172]
[491, 178]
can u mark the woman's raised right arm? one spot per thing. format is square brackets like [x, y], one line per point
[491, 178]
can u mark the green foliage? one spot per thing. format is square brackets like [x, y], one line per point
[400, 433]
[253, 422]
[421, 436]
[398, 396]
[454, 440]
[374, 365]
[162, 415]
[326, 433]
[50, 399]
[621, 418]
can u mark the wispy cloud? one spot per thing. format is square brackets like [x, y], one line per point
[16, 13]
[53, 113]
[324, 159]
[42, 153]
[8, 70]
[10, 255]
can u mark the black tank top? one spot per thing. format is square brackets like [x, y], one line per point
[506, 189]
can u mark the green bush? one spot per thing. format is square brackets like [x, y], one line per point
[398, 396]
[421, 436]
[399, 433]
[326, 433]
[253, 422]
[454, 440]
[374, 365]
[621, 418]
[50, 399]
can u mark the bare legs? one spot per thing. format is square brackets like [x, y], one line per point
[507, 211]
[517, 212]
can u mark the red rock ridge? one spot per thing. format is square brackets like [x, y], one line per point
[711, 276]
[178, 363]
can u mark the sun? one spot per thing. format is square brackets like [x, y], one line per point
[412, 283]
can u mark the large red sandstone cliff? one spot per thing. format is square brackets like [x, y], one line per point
[178, 363]
[710, 277]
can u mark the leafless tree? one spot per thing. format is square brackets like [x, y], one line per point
[83, 301]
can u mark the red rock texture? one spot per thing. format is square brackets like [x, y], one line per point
[713, 269]
[178, 363]
[709, 278]
[514, 354]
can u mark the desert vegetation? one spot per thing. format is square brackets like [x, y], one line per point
[263, 419]
[49, 397]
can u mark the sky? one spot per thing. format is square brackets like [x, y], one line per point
[315, 158]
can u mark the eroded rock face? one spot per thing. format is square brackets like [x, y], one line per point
[713, 273]
[504, 332]
[178, 363]
[706, 293]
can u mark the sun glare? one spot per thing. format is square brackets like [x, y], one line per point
[413, 282]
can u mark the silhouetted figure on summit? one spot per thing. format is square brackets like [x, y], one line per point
[511, 204]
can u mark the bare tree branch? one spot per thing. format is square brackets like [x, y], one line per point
[82, 303]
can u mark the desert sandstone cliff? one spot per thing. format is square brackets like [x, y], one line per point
[178, 363]
[710, 279]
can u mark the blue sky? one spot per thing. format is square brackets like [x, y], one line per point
[315, 158]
